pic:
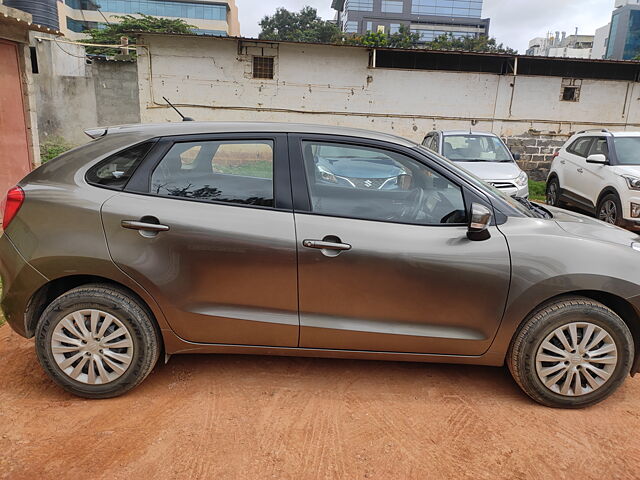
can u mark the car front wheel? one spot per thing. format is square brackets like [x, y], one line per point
[572, 353]
[610, 210]
[553, 193]
[97, 341]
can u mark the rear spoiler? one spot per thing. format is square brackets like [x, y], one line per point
[96, 132]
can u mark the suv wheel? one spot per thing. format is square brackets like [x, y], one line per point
[96, 341]
[610, 209]
[553, 192]
[572, 353]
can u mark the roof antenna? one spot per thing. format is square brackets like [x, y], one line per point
[184, 119]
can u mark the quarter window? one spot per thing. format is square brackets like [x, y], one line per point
[375, 184]
[115, 171]
[239, 172]
[580, 146]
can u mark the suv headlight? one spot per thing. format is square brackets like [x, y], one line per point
[522, 179]
[632, 182]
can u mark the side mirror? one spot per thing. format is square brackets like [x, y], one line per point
[479, 222]
[598, 158]
[516, 156]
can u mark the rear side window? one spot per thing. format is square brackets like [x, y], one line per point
[230, 171]
[115, 171]
[580, 146]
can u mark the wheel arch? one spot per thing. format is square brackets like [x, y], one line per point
[56, 287]
[606, 191]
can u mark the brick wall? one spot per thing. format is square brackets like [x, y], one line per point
[536, 151]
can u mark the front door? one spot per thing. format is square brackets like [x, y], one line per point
[384, 260]
[207, 228]
[576, 156]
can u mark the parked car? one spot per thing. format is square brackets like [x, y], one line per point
[599, 171]
[483, 154]
[229, 238]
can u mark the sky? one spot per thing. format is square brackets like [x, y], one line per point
[513, 22]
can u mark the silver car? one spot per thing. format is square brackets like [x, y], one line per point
[239, 238]
[483, 154]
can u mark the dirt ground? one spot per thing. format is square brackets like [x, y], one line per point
[244, 417]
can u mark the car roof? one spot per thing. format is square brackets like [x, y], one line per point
[151, 130]
[601, 132]
[467, 132]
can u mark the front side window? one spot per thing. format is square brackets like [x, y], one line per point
[115, 171]
[375, 184]
[580, 147]
[599, 147]
[239, 172]
[627, 149]
[475, 148]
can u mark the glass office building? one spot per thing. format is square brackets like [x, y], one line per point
[624, 34]
[428, 18]
[209, 17]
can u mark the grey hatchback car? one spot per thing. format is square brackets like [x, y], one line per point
[240, 238]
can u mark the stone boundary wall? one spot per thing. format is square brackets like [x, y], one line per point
[536, 151]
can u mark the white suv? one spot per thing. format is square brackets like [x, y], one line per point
[599, 171]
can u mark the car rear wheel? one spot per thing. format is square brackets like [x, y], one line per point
[610, 210]
[97, 341]
[572, 353]
[553, 193]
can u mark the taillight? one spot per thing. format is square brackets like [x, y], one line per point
[11, 205]
[556, 154]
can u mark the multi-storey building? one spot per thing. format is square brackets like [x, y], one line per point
[429, 18]
[561, 45]
[219, 17]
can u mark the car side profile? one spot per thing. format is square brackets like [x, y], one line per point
[233, 238]
[483, 154]
[598, 171]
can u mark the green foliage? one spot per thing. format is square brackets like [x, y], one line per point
[303, 26]
[401, 39]
[259, 168]
[110, 34]
[537, 191]
[52, 147]
[469, 44]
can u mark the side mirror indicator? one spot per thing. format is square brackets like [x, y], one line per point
[479, 222]
[598, 158]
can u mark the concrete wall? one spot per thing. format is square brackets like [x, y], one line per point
[211, 79]
[73, 95]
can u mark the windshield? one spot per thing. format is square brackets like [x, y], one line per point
[482, 185]
[475, 148]
[627, 149]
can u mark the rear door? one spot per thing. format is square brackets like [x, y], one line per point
[575, 156]
[385, 263]
[206, 226]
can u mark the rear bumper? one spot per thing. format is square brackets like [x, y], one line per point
[19, 281]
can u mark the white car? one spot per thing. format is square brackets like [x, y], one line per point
[483, 154]
[599, 171]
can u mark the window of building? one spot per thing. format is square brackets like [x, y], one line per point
[215, 33]
[369, 26]
[451, 8]
[351, 26]
[262, 67]
[632, 41]
[612, 35]
[374, 184]
[239, 172]
[570, 90]
[80, 26]
[116, 170]
[392, 6]
[359, 5]
[34, 59]
[162, 8]
[394, 28]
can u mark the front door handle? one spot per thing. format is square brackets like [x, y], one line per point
[149, 227]
[324, 245]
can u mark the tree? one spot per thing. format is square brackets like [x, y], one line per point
[303, 26]
[401, 39]
[481, 43]
[110, 34]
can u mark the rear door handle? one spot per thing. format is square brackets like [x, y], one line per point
[323, 245]
[562, 162]
[149, 227]
[580, 170]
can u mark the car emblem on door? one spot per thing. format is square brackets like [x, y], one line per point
[368, 183]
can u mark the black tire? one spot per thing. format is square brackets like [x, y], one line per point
[141, 330]
[553, 192]
[521, 357]
[603, 213]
